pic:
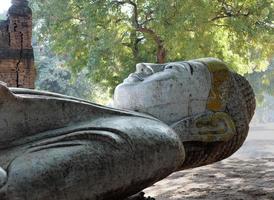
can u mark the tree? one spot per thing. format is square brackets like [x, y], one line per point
[2, 16]
[109, 37]
[53, 77]
[262, 83]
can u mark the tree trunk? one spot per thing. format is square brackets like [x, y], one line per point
[161, 54]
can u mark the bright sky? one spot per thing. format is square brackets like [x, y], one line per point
[4, 5]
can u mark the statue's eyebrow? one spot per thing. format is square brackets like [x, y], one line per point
[190, 68]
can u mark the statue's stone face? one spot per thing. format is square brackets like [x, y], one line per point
[169, 91]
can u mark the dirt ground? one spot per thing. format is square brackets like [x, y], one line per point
[247, 175]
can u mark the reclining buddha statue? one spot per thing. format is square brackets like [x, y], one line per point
[164, 118]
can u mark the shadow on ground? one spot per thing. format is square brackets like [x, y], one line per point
[248, 175]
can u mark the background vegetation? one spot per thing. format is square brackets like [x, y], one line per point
[86, 47]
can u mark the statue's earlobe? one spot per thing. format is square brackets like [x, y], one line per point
[212, 127]
[5, 94]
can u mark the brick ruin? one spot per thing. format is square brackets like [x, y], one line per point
[16, 52]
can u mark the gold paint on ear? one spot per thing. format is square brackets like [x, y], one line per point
[220, 79]
[211, 127]
[216, 101]
[216, 127]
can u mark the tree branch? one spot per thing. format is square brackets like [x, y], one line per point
[161, 51]
[126, 44]
[135, 13]
[228, 11]
[148, 18]
[118, 2]
[230, 15]
[156, 38]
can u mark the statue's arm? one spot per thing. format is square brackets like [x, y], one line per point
[107, 156]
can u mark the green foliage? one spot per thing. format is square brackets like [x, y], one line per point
[53, 77]
[3, 16]
[262, 83]
[109, 37]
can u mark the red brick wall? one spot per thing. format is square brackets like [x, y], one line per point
[16, 53]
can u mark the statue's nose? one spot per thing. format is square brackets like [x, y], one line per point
[142, 68]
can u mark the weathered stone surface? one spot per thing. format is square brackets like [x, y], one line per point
[180, 93]
[16, 53]
[58, 147]
[178, 90]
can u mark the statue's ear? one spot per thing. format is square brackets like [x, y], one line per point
[212, 127]
[5, 94]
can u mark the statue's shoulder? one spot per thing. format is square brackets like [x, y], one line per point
[26, 112]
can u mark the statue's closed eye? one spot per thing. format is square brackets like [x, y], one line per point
[169, 67]
[144, 69]
[191, 69]
[178, 66]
